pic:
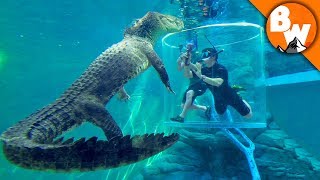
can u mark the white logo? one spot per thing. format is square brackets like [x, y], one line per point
[291, 28]
[280, 22]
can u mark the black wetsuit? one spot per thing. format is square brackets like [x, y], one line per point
[197, 85]
[223, 95]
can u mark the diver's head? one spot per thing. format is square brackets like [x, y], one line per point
[211, 53]
[153, 25]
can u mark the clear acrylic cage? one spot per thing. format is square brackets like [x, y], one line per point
[243, 56]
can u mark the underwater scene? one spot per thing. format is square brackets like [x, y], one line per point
[161, 89]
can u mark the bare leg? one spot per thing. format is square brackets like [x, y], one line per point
[187, 104]
[198, 107]
[249, 115]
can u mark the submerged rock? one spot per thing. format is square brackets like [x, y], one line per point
[210, 155]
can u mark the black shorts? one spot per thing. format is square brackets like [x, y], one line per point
[198, 88]
[233, 100]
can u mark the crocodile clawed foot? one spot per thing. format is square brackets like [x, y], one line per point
[123, 95]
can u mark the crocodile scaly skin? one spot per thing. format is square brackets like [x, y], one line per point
[32, 143]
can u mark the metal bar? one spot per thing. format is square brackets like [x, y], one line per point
[248, 151]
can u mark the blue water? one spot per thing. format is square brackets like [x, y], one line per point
[46, 45]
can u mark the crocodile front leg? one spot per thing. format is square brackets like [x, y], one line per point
[156, 62]
[123, 95]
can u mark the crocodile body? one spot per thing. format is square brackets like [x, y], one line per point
[32, 143]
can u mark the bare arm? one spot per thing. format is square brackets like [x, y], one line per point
[180, 64]
[212, 81]
[187, 72]
[193, 68]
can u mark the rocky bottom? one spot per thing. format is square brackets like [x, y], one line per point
[204, 154]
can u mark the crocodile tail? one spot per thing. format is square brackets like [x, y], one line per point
[88, 155]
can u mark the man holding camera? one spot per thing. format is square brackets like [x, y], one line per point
[196, 86]
[208, 73]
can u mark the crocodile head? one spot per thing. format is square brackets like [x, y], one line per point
[153, 25]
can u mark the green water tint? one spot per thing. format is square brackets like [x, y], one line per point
[141, 121]
[3, 59]
[148, 112]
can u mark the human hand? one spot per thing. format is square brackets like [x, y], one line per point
[180, 64]
[181, 58]
[198, 67]
[185, 58]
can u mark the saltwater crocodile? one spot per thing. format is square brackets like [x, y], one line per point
[32, 143]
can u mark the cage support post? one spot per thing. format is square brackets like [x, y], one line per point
[248, 151]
